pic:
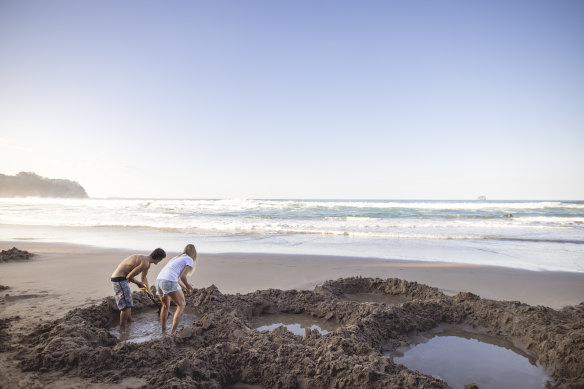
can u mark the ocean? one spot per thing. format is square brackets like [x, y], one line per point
[534, 235]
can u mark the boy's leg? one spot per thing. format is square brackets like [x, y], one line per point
[124, 318]
[123, 297]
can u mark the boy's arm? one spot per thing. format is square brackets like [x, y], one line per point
[144, 275]
[135, 271]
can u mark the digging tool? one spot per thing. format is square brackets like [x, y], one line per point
[151, 297]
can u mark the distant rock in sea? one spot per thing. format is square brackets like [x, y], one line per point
[26, 184]
[482, 198]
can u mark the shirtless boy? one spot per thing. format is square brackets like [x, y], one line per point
[125, 273]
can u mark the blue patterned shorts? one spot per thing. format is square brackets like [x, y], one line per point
[123, 294]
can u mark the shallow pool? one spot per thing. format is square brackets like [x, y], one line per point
[460, 357]
[146, 326]
[295, 323]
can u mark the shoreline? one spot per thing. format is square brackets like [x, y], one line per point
[536, 256]
[57, 269]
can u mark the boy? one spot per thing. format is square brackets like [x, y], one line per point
[125, 273]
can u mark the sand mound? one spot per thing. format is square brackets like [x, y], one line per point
[220, 348]
[4, 335]
[14, 254]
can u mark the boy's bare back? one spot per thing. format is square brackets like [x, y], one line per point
[130, 263]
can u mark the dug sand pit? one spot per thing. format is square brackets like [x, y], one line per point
[298, 324]
[461, 355]
[146, 326]
[222, 348]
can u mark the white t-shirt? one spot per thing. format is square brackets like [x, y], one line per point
[171, 271]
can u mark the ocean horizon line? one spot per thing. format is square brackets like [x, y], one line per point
[325, 199]
[372, 199]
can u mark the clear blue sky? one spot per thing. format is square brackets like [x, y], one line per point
[296, 99]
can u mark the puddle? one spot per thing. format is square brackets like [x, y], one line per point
[448, 292]
[146, 325]
[366, 298]
[460, 357]
[295, 323]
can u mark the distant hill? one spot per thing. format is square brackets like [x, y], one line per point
[26, 184]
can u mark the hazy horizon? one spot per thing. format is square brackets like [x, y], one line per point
[296, 100]
[327, 198]
[274, 198]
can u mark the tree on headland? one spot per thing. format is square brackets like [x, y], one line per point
[28, 184]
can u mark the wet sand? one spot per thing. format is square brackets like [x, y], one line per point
[61, 277]
[221, 348]
[74, 275]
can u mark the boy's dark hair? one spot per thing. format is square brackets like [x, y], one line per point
[158, 254]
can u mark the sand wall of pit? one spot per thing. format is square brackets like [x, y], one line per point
[221, 348]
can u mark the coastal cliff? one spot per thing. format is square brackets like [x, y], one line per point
[27, 184]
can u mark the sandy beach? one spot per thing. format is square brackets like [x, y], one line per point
[75, 275]
[61, 277]
[382, 195]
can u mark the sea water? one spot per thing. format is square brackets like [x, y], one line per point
[535, 235]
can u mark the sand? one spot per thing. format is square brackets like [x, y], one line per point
[60, 277]
[80, 275]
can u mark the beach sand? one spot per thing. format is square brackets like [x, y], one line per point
[61, 277]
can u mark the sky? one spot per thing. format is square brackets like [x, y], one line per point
[296, 99]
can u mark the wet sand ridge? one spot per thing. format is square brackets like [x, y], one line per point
[220, 348]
